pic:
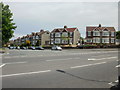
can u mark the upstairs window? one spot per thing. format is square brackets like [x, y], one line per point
[89, 33]
[52, 34]
[71, 34]
[33, 37]
[37, 37]
[96, 33]
[105, 33]
[112, 33]
[57, 34]
[64, 34]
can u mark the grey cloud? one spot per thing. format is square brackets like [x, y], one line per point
[33, 16]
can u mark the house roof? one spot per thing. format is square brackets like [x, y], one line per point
[99, 28]
[71, 29]
[63, 29]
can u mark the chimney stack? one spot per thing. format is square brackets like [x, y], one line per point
[65, 26]
[99, 25]
[41, 30]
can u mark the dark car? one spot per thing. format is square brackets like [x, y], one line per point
[12, 47]
[39, 48]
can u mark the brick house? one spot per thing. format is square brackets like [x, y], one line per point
[65, 36]
[100, 35]
[43, 37]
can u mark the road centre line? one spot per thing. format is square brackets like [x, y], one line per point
[28, 73]
[2, 65]
[15, 62]
[93, 59]
[88, 65]
[100, 55]
[62, 59]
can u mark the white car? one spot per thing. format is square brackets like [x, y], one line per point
[56, 48]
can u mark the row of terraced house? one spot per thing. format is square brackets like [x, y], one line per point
[70, 36]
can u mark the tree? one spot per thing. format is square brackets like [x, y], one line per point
[82, 40]
[7, 25]
[118, 35]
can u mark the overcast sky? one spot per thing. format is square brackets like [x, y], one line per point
[34, 16]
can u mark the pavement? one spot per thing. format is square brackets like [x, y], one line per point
[70, 68]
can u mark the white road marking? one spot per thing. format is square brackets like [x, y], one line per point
[116, 81]
[28, 73]
[101, 55]
[2, 65]
[117, 66]
[15, 62]
[94, 59]
[88, 65]
[113, 83]
[62, 59]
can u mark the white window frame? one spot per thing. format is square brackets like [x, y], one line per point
[105, 33]
[37, 37]
[112, 40]
[65, 34]
[64, 41]
[57, 41]
[96, 40]
[71, 34]
[57, 34]
[70, 41]
[96, 33]
[89, 40]
[33, 37]
[89, 33]
[112, 33]
[105, 40]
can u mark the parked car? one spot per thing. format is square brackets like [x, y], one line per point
[18, 47]
[23, 48]
[39, 48]
[56, 48]
[31, 47]
[11, 47]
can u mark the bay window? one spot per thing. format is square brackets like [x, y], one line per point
[105, 33]
[65, 34]
[57, 41]
[96, 40]
[112, 40]
[96, 33]
[105, 40]
[57, 34]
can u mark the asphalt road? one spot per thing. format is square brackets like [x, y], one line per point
[70, 68]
